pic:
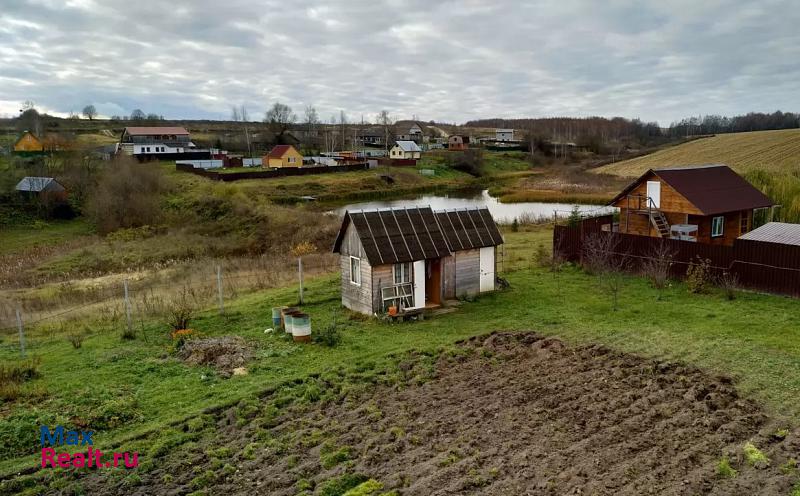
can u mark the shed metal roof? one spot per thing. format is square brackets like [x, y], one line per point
[775, 232]
[155, 130]
[408, 146]
[38, 184]
[398, 235]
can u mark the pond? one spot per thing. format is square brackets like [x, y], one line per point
[502, 212]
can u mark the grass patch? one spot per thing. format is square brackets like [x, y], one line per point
[754, 456]
[724, 468]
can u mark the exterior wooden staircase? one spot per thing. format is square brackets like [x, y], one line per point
[659, 221]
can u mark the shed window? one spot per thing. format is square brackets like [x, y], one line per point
[402, 273]
[717, 226]
[355, 271]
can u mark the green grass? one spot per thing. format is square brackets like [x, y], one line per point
[41, 233]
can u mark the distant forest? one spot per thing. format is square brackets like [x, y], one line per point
[588, 131]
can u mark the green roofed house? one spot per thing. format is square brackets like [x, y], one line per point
[415, 258]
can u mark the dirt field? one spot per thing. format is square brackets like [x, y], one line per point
[504, 414]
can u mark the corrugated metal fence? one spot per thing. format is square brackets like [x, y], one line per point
[758, 265]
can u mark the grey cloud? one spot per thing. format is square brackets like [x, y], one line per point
[451, 61]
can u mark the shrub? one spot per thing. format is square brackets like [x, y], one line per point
[575, 217]
[181, 311]
[514, 225]
[366, 488]
[657, 266]
[76, 339]
[329, 336]
[729, 283]
[127, 195]
[698, 275]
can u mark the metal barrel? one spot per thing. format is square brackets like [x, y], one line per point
[276, 317]
[285, 311]
[301, 327]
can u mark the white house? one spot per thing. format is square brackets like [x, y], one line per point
[405, 150]
[504, 135]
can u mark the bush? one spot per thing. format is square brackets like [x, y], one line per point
[329, 336]
[181, 311]
[729, 283]
[76, 339]
[128, 194]
[698, 275]
[469, 161]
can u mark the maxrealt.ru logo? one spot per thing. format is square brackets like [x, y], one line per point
[59, 436]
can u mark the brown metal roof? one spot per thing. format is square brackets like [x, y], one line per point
[775, 232]
[469, 229]
[155, 130]
[713, 189]
[407, 234]
[278, 151]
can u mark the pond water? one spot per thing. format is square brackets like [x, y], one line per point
[502, 212]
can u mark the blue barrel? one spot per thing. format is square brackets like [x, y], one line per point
[276, 317]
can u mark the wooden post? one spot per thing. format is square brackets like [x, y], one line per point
[128, 308]
[219, 291]
[21, 334]
[300, 275]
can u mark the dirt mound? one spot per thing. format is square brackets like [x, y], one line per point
[502, 414]
[225, 353]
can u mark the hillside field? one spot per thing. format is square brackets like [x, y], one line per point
[775, 151]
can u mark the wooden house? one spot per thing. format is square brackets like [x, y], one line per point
[709, 204]
[405, 150]
[46, 188]
[282, 156]
[457, 142]
[415, 258]
[28, 143]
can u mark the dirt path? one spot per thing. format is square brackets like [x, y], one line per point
[505, 414]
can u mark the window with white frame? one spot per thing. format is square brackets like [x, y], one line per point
[291, 160]
[717, 226]
[355, 271]
[402, 273]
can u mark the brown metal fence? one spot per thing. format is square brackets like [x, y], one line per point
[769, 267]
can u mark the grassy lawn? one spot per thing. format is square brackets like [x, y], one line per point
[41, 233]
[121, 388]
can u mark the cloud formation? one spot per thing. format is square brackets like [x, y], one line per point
[449, 61]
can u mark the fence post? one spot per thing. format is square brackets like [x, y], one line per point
[21, 334]
[300, 275]
[128, 308]
[219, 291]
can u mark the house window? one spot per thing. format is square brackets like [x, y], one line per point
[717, 226]
[148, 148]
[402, 273]
[744, 226]
[291, 160]
[355, 271]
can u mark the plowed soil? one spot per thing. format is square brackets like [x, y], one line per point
[506, 414]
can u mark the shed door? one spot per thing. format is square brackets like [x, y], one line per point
[487, 269]
[419, 284]
[654, 192]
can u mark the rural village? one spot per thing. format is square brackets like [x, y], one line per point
[377, 304]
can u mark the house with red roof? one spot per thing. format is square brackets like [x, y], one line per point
[282, 156]
[709, 204]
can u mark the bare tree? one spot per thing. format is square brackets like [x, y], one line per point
[385, 121]
[603, 260]
[243, 113]
[235, 116]
[89, 112]
[657, 266]
[138, 115]
[280, 117]
[343, 128]
[311, 122]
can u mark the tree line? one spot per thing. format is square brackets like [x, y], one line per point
[716, 124]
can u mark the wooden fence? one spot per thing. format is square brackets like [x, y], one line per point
[758, 265]
[267, 174]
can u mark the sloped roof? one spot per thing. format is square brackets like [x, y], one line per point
[408, 146]
[775, 232]
[155, 130]
[469, 229]
[713, 189]
[397, 235]
[278, 151]
[38, 184]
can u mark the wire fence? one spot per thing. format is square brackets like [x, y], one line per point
[128, 301]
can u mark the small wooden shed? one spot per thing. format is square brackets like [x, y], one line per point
[414, 258]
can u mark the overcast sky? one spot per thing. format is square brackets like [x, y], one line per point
[448, 61]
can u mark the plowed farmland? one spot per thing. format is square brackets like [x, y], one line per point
[498, 414]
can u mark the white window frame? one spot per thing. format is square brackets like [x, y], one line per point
[291, 160]
[720, 221]
[355, 275]
[405, 272]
